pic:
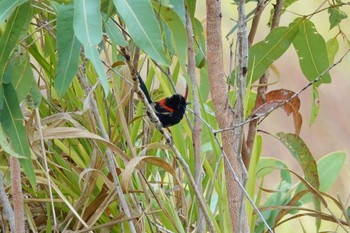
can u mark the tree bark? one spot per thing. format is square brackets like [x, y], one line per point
[231, 140]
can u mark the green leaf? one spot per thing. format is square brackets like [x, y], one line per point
[88, 22]
[6, 8]
[332, 48]
[6, 145]
[251, 183]
[11, 119]
[19, 20]
[143, 27]
[20, 73]
[92, 54]
[315, 105]
[68, 49]
[264, 53]
[329, 168]
[302, 154]
[178, 32]
[335, 16]
[311, 50]
[114, 33]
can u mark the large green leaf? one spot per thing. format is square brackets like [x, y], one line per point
[143, 27]
[88, 22]
[311, 50]
[264, 53]
[19, 73]
[329, 168]
[19, 20]
[178, 32]
[68, 49]
[6, 8]
[88, 29]
[12, 122]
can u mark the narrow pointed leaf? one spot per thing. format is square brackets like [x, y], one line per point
[88, 22]
[178, 32]
[92, 54]
[264, 53]
[68, 49]
[6, 8]
[302, 154]
[19, 20]
[311, 50]
[12, 122]
[143, 27]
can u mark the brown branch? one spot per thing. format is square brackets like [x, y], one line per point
[17, 195]
[197, 126]
[231, 141]
[262, 89]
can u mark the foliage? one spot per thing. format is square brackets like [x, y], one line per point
[58, 56]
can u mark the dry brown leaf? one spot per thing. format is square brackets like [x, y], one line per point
[275, 98]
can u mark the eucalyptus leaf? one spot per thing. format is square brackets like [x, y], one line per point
[143, 27]
[311, 50]
[68, 49]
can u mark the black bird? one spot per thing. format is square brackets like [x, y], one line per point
[170, 110]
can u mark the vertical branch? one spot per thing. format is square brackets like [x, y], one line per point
[262, 89]
[17, 195]
[226, 117]
[5, 202]
[197, 126]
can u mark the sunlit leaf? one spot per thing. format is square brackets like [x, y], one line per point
[143, 27]
[12, 122]
[311, 50]
[332, 48]
[68, 49]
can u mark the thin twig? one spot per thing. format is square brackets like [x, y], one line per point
[197, 125]
[47, 173]
[268, 112]
[168, 139]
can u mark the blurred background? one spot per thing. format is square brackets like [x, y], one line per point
[331, 130]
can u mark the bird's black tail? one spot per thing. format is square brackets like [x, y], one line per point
[144, 88]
